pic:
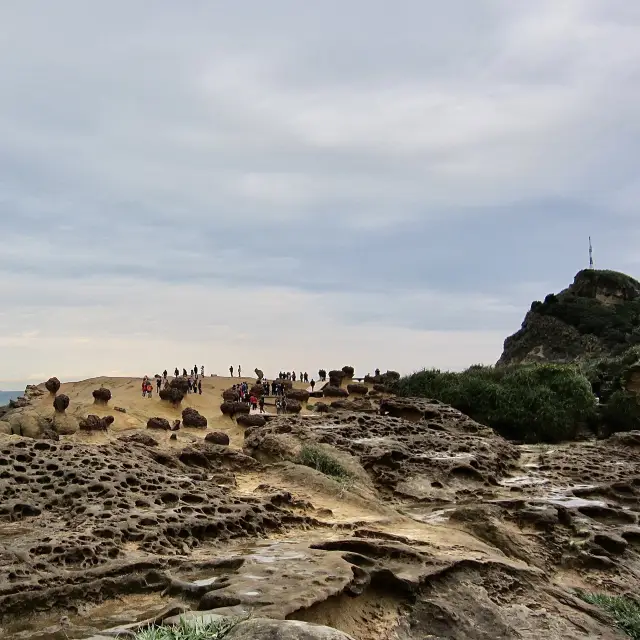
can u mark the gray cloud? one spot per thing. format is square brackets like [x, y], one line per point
[417, 168]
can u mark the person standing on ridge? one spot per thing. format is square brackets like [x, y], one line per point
[200, 386]
[231, 370]
[239, 371]
[176, 372]
[158, 384]
[202, 371]
[184, 372]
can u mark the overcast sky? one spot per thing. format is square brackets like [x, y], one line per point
[291, 184]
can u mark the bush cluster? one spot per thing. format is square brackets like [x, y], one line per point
[529, 403]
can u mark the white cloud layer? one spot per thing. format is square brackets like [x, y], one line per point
[314, 182]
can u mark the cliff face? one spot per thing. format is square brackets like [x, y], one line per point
[598, 315]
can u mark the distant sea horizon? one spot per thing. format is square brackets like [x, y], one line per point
[5, 396]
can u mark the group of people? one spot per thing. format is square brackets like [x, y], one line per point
[244, 395]
[239, 371]
[291, 375]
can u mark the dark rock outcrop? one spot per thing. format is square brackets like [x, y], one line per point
[192, 418]
[181, 383]
[302, 395]
[251, 420]
[293, 406]
[331, 391]
[61, 403]
[348, 371]
[358, 388]
[336, 377]
[140, 438]
[321, 407]
[95, 423]
[172, 394]
[52, 385]
[259, 374]
[230, 395]
[158, 423]
[101, 395]
[217, 437]
[232, 409]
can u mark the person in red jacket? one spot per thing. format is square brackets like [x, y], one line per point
[253, 401]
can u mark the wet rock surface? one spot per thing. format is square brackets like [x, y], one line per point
[440, 528]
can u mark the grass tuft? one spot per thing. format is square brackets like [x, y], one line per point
[319, 460]
[625, 611]
[190, 630]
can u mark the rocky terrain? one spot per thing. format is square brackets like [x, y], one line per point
[385, 519]
[597, 316]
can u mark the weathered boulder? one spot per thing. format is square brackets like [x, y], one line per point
[181, 383]
[321, 407]
[230, 395]
[259, 374]
[302, 395]
[140, 438]
[158, 423]
[52, 385]
[18, 403]
[348, 372]
[27, 425]
[172, 395]
[357, 405]
[378, 387]
[64, 424]
[31, 391]
[332, 391]
[5, 428]
[233, 408]
[611, 542]
[95, 423]
[101, 395]
[251, 420]
[256, 390]
[267, 629]
[358, 388]
[61, 403]
[336, 377]
[217, 437]
[293, 406]
[192, 418]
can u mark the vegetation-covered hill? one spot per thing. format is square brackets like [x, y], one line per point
[598, 315]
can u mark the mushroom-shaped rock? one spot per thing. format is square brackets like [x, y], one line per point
[256, 390]
[336, 377]
[60, 403]
[293, 406]
[230, 395]
[251, 420]
[52, 385]
[158, 423]
[357, 388]
[191, 418]
[332, 391]
[217, 437]
[172, 395]
[259, 374]
[95, 423]
[101, 395]
[181, 383]
[348, 371]
[233, 408]
[302, 395]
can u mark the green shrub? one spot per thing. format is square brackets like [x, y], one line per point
[625, 611]
[532, 403]
[621, 412]
[190, 630]
[319, 460]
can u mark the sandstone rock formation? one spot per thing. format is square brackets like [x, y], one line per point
[232, 409]
[253, 420]
[102, 395]
[336, 377]
[358, 388]
[230, 395]
[259, 374]
[592, 317]
[293, 406]
[52, 385]
[192, 418]
[301, 395]
[61, 403]
[158, 423]
[348, 371]
[217, 437]
[95, 423]
[332, 391]
[181, 383]
[172, 395]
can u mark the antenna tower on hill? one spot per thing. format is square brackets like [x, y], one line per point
[590, 254]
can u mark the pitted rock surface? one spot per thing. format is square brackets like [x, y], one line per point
[78, 507]
[416, 460]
